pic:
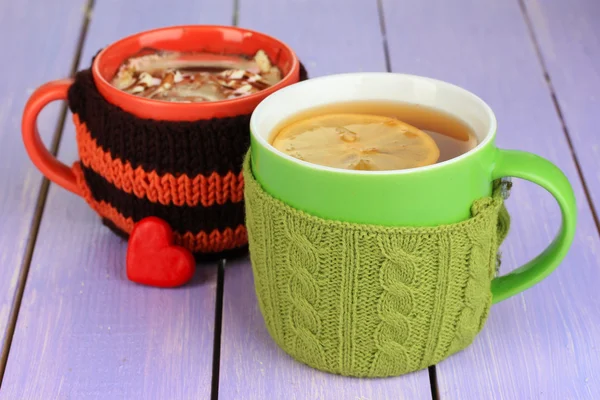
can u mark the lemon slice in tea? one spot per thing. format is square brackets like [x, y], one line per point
[357, 142]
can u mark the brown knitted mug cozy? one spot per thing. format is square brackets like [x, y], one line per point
[186, 173]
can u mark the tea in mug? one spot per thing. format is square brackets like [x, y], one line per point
[374, 136]
[189, 77]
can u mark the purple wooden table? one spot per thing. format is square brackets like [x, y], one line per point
[73, 327]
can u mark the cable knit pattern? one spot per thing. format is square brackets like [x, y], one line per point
[396, 277]
[302, 261]
[371, 301]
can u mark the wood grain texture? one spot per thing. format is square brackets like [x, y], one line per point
[329, 37]
[544, 343]
[568, 34]
[84, 331]
[27, 63]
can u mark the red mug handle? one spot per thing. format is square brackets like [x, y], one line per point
[48, 165]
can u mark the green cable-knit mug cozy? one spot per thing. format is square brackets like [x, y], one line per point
[380, 273]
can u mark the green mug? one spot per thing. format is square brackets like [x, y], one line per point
[381, 273]
[434, 195]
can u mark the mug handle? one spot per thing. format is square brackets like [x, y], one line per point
[520, 164]
[48, 165]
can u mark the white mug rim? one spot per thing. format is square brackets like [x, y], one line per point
[289, 91]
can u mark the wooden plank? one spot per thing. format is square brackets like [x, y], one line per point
[568, 35]
[28, 62]
[84, 331]
[328, 40]
[544, 343]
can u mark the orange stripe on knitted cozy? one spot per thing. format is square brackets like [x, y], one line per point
[165, 189]
[199, 242]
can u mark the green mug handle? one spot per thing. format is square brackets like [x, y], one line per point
[519, 164]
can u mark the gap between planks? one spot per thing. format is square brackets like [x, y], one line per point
[214, 391]
[558, 109]
[433, 383]
[41, 200]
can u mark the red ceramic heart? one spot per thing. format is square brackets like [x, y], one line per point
[153, 259]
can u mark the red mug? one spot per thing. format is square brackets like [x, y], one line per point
[213, 39]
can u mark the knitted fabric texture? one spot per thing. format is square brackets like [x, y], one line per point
[186, 173]
[371, 301]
